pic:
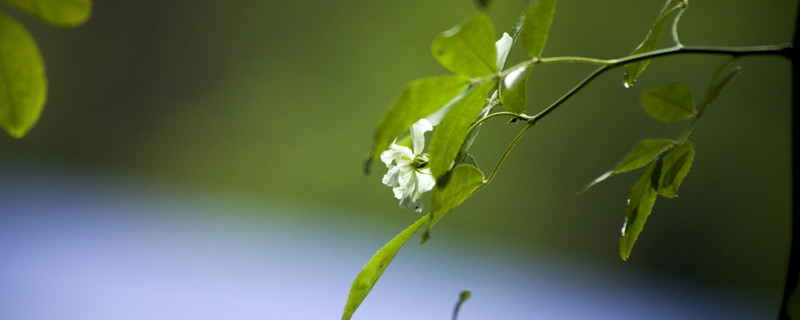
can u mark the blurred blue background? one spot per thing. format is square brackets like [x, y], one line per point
[202, 161]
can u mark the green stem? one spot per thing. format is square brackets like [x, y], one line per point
[781, 49]
[505, 154]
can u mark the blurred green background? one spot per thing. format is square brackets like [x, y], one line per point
[277, 100]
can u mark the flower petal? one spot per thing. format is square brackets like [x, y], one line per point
[418, 130]
[395, 153]
[425, 181]
[503, 47]
[391, 179]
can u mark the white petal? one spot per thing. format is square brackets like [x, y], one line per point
[425, 182]
[395, 152]
[503, 47]
[406, 176]
[418, 130]
[390, 179]
[513, 78]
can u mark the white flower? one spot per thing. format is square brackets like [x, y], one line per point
[408, 173]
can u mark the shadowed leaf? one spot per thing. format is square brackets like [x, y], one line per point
[669, 103]
[644, 152]
[640, 205]
[635, 69]
[675, 167]
[722, 84]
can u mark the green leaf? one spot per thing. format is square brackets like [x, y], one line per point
[722, 84]
[514, 93]
[640, 205]
[468, 48]
[644, 152]
[23, 85]
[64, 13]
[675, 167]
[635, 69]
[451, 132]
[538, 18]
[419, 99]
[368, 276]
[462, 181]
[669, 103]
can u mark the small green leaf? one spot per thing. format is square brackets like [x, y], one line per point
[64, 13]
[644, 152]
[538, 18]
[451, 132]
[669, 103]
[514, 93]
[368, 276]
[468, 48]
[676, 165]
[640, 205]
[419, 99]
[635, 69]
[722, 84]
[23, 85]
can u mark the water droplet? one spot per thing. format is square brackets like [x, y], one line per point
[625, 82]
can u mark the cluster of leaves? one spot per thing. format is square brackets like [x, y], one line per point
[23, 84]
[480, 82]
[668, 161]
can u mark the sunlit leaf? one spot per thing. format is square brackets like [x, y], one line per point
[419, 99]
[65, 13]
[669, 103]
[538, 18]
[719, 86]
[640, 205]
[23, 86]
[644, 152]
[635, 69]
[368, 276]
[451, 132]
[462, 181]
[514, 93]
[468, 48]
[675, 167]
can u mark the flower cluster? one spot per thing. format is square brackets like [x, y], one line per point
[409, 174]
